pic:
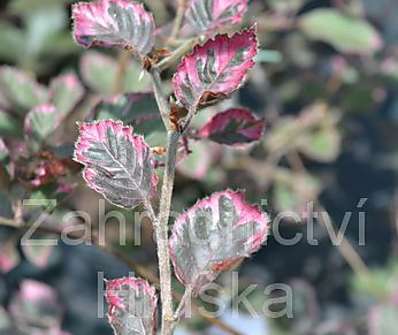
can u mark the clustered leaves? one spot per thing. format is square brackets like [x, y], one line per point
[218, 231]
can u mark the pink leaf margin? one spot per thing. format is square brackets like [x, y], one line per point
[221, 120]
[86, 15]
[115, 302]
[219, 7]
[246, 212]
[227, 47]
[91, 132]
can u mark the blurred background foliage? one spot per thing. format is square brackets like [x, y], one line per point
[326, 85]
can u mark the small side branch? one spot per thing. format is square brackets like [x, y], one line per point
[182, 5]
[164, 107]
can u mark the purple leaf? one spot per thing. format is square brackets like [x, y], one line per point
[209, 15]
[132, 306]
[65, 92]
[118, 164]
[109, 23]
[213, 235]
[235, 126]
[216, 69]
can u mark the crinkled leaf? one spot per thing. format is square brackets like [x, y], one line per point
[347, 34]
[65, 92]
[118, 164]
[35, 304]
[109, 23]
[213, 235]
[216, 69]
[235, 126]
[9, 126]
[41, 122]
[208, 15]
[21, 90]
[132, 306]
[92, 71]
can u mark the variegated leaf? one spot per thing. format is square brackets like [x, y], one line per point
[118, 164]
[216, 69]
[65, 92]
[109, 23]
[132, 306]
[208, 15]
[41, 122]
[236, 126]
[214, 235]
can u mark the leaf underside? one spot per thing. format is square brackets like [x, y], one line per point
[216, 69]
[213, 235]
[118, 164]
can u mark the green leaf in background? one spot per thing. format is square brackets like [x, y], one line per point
[99, 73]
[347, 34]
[65, 92]
[9, 126]
[322, 145]
[20, 90]
[12, 42]
[138, 109]
[41, 122]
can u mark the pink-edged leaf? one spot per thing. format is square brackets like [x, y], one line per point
[216, 69]
[41, 121]
[209, 15]
[65, 92]
[236, 126]
[36, 303]
[118, 163]
[132, 306]
[109, 23]
[213, 235]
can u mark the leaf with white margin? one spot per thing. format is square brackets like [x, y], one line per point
[235, 126]
[41, 122]
[216, 69]
[209, 15]
[65, 92]
[109, 23]
[132, 304]
[118, 163]
[213, 235]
